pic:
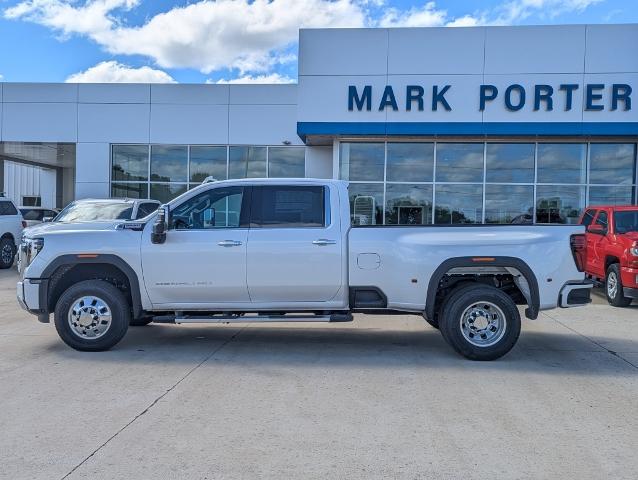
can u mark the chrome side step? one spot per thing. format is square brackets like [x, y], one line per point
[256, 318]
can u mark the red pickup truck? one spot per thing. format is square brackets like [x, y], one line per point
[612, 250]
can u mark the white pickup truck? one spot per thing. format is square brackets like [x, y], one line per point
[259, 250]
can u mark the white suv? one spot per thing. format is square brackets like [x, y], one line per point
[11, 225]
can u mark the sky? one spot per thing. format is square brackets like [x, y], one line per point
[237, 41]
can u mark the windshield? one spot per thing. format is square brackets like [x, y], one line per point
[89, 211]
[626, 221]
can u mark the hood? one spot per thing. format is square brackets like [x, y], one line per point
[58, 227]
[631, 237]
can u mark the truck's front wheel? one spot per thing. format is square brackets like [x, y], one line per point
[92, 316]
[613, 287]
[480, 322]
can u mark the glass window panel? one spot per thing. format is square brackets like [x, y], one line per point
[247, 162]
[559, 203]
[207, 162]
[612, 163]
[129, 190]
[165, 192]
[362, 161]
[626, 221]
[169, 163]
[410, 162]
[288, 206]
[510, 162]
[509, 204]
[408, 204]
[287, 162]
[366, 203]
[214, 208]
[561, 163]
[129, 162]
[459, 162]
[458, 204]
[611, 195]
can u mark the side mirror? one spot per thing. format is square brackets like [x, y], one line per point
[597, 229]
[158, 234]
[47, 219]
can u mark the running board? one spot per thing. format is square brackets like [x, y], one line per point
[256, 318]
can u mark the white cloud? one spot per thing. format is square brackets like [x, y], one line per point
[114, 72]
[269, 79]
[252, 37]
[426, 16]
[203, 35]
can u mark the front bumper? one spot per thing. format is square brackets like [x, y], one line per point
[630, 292]
[575, 294]
[28, 293]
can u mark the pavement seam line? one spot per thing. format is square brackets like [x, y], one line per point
[155, 402]
[611, 352]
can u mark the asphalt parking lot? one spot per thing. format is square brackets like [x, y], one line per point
[383, 397]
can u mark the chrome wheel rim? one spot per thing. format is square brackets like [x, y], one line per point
[89, 317]
[6, 254]
[612, 284]
[483, 324]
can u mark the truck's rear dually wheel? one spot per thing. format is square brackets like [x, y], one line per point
[480, 322]
[92, 315]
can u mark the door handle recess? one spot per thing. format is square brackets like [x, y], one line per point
[324, 241]
[229, 243]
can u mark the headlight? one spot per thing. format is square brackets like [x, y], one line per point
[29, 249]
[634, 249]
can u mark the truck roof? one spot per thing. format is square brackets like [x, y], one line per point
[615, 207]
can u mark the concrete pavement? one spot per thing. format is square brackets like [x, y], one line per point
[383, 397]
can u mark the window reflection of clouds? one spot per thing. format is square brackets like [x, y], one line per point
[612, 163]
[247, 162]
[509, 203]
[561, 162]
[510, 162]
[459, 162]
[559, 203]
[410, 162]
[130, 162]
[458, 204]
[362, 161]
[611, 195]
[408, 204]
[286, 162]
[207, 162]
[169, 163]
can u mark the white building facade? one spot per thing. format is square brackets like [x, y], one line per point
[430, 125]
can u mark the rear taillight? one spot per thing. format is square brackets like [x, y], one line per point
[24, 224]
[579, 250]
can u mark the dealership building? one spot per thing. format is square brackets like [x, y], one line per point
[430, 125]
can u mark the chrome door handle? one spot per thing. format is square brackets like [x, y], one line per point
[229, 243]
[324, 241]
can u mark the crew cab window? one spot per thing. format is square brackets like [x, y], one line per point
[146, 209]
[626, 221]
[288, 206]
[588, 217]
[215, 208]
[30, 214]
[7, 208]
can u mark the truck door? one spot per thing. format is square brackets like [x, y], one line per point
[599, 243]
[203, 260]
[294, 246]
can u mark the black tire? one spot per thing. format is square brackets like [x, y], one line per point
[140, 322]
[482, 298]
[115, 301]
[616, 298]
[7, 253]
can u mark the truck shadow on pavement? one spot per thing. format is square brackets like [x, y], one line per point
[352, 347]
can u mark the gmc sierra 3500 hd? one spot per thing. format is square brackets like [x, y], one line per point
[257, 250]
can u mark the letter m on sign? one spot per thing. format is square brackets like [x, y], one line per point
[360, 101]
